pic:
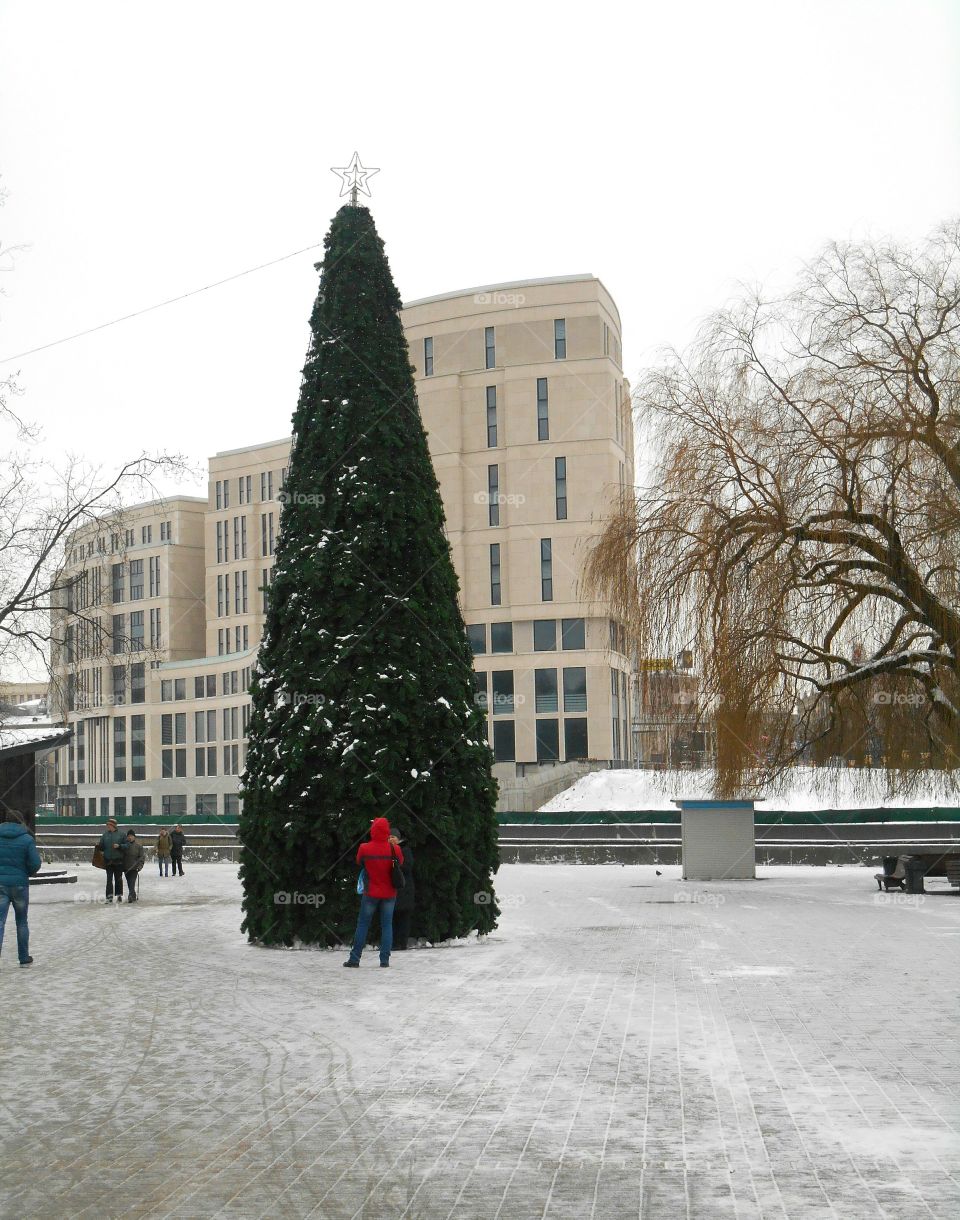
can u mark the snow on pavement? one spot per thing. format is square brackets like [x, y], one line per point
[624, 1044]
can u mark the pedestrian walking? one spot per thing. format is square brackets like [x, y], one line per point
[19, 860]
[178, 841]
[133, 861]
[164, 849]
[376, 857]
[403, 910]
[111, 844]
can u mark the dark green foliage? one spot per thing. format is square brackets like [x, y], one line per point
[363, 694]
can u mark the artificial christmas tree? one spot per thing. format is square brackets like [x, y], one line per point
[363, 689]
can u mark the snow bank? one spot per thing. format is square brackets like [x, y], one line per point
[801, 788]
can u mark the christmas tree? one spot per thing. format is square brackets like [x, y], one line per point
[363, 689]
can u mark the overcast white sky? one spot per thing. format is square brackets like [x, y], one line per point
[671, 149]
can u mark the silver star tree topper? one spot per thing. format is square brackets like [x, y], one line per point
[354, 177]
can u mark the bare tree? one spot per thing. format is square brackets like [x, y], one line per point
[801, 522]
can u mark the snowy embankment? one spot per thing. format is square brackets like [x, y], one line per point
[801, 788]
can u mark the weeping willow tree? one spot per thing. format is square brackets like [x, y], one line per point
[799, 527]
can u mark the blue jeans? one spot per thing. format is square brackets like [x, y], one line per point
[367, 908]
[19, 895]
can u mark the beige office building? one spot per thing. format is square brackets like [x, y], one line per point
[527, 414]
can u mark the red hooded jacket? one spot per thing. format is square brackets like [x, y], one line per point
[375, 858]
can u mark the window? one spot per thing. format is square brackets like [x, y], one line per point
[493, 495]
[477, 638]
[166, 531]
[119, 806]
[572, 634]
[502, 692]
[146, 535]
[206, 804]
[544, 634]
[128, 537]
[575, 689]
[264, 588]
[219, 542]
[504, 741]
[118, 574]
[266, 533]
[575, 739]
[138, 683]
[166, 729]
[138, 747]
[231, 760]
[496, 592]
[231, 805]
[136, 580]
[155, 629]
[174, 806]
[548, 740]
[221, 649]
[119, 749]
[266, 484]
[606, 339]
[211, 685]
[490, 347]
[560, 338]
[218, 487]
[136, 631]
[543, 410]
[140, 806]
[560, 486]
[166, 764]
[501, 637]
[198, 688]
[244, 488]
[220, 602]
[545, 690]
[180, 688]
[480, 690]
[154, 564]
[119, 682]
[166, 690]
[428, 357]
[491, 417]
[119, 633]
[546, 570]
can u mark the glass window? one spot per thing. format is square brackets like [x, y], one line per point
[206, 804]
[496, 591]
[119, 749]
[548, 740]
[502, 692]
[211, 685]
[572, 634]
[546, 569]
[504, 741]
[231, 805]
[118, 575]
[544, 634]
[174, 806]
[166, 691]
[575, 689]
[480, 685]
[428, 357]
[560, 338]
[560, 486]
[490, 347]
[545, 690]
[501, 637]
[119, 806]
[180, 688]
[493, 495]
[119, 633]
[491, 417]
[180, 728]
[575, 738]
[138, 683]
[543, 410]
[140, 806]
[477, 636]
[166, 730]
[136, 631]
[181, 763]
[198, 687]
[166, 764]
[138, 746]
[119, 684]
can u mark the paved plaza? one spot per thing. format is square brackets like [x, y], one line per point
[625, 1044]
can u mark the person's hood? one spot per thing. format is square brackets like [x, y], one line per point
[12, 830]
[380, 830]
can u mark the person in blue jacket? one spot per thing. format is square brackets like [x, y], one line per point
[19, 860]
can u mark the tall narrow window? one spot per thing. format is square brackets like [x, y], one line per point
[491, 417]
[502, 692]
[219, 493]
[119, 749]
[219, 542]
[546, 698]
[560, 338]
[546, 570]
[428, 357]
[493, 495]
[543, 410]
[155, 629]
[118, 573]
[119, 633]
[154, 564]
[490, 346]
[138, 683]
[560, 481]
[136, 631]
[575, 689]
[496, 592]
[138, 747]
[136, 580]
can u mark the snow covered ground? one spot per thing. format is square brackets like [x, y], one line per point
[801, 788]
[625, 1044]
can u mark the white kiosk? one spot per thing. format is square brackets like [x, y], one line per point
[719, 840]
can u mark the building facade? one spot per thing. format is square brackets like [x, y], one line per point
[527, 414]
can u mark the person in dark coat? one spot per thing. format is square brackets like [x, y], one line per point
[133, 860]
[111, 844]
[403, 910]
[178, 841]
[19, 860]
[376, 858]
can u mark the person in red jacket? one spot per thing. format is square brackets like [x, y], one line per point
[376, 859]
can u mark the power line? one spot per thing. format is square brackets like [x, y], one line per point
[159, 305]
